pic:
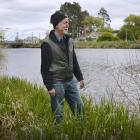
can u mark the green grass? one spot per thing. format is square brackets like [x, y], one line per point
[108, 44]
[25, 114]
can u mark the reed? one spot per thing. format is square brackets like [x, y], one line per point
[25, 114]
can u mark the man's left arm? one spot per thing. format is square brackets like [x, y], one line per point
[76, 70]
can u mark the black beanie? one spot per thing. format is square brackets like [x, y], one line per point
[57, 17]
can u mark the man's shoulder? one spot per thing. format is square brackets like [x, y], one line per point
[45, 44]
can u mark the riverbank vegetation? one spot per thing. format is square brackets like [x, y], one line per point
[120, 44]
[20, 45]
[109, 44]
[25, 114]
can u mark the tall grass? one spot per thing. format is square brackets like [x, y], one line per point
[25, 114]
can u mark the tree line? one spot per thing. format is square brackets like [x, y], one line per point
[83, 24]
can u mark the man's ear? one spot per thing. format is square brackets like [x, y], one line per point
[56, 27]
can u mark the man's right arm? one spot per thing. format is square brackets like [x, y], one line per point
[46, 58]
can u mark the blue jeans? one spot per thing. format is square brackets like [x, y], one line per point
[69, 91]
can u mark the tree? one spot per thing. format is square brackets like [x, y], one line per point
[125, 33]
[131, 29]
[133, 24]
[97, 23]
[92, 24]
[109, 30]
[88, 23]
[76, 16]
[105, 17]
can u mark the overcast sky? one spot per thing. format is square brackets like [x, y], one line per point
[27, 16]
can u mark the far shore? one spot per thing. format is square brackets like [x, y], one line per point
[121, 44]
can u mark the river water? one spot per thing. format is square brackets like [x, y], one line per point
[107, 72]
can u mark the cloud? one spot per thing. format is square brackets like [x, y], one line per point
[34, 16]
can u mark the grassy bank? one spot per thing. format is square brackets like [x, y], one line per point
[85, 44]
[25, 114]
[16, 45]
[109, 44]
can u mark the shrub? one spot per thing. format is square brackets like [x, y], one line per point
[109, 30]
[106, 36]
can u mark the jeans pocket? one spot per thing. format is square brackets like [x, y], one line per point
[59, 88]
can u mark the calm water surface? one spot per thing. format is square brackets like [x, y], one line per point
[104, 70]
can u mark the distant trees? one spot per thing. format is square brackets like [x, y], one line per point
[105, 17]
[92, 23]
[81, 23]
[76, 16]
[131, 28]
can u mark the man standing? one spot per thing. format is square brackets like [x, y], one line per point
[58, 64]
